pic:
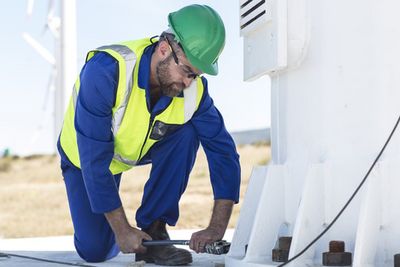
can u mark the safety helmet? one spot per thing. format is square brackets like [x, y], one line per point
[201, 33]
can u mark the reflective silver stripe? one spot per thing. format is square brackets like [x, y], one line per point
[190, 95]
[130, 59]
[123, 50]
[123, 160]
[74, 95]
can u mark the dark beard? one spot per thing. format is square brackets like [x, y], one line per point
[167, 87]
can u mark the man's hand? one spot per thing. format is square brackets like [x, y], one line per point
[215, 231]
[129, 239]
[199, 239]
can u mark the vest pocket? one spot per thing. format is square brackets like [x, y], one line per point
[161, 129]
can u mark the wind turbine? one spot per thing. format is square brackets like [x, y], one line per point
[63, 61]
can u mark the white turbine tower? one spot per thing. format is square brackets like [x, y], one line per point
[63, 29]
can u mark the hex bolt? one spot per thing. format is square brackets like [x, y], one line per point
[284, 242]
[336, 255]
[281, 253]
[336, 246]
[397, 260]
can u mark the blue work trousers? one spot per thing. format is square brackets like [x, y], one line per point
[172, 160]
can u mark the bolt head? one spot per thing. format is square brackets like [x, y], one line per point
[397, 260]
[336, 246]
[280, 255]
[284, 242]
[336, 258]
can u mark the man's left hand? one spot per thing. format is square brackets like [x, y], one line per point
[215, 231]
[201, 238]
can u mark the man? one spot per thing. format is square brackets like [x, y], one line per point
[143, 102]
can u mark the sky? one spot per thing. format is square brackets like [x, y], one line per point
[26, 104]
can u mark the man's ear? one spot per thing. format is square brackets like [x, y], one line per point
[163, 49]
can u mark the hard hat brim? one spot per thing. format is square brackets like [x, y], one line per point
[206, 68]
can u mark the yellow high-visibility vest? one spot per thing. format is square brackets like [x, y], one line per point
[135, 130]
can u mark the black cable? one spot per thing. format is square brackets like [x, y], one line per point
[44, 260]
[348, 202]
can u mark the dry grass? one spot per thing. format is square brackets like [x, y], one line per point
[33, 201]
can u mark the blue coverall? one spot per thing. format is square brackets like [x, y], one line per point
[93, 190]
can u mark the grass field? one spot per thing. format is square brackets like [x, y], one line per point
[33, 200]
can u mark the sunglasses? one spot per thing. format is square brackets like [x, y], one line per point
[186, 69]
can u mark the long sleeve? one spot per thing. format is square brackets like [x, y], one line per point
[93, 127]
[222, 157]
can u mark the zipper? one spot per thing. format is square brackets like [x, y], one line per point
[151, 120]
[147, 135]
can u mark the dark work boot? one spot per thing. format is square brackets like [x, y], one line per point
[163, 255]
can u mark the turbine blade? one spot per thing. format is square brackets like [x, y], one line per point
[29, 8]
[39, 48]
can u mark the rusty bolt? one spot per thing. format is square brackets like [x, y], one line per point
[284, 242]
[336, 246]
[397, 260]
[336, 255]
[281, 253]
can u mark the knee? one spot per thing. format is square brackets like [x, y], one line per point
[96, 251]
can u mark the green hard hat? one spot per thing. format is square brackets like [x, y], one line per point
[201, 32]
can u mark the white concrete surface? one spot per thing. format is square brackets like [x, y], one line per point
[62, 249]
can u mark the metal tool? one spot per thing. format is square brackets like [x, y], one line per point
[149, 243]
[216, 248]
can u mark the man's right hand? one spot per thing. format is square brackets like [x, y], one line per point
[129, 239]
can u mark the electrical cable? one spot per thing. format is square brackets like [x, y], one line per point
[8, 255]
[348, 202]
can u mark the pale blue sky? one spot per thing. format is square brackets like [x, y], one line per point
[27, 122]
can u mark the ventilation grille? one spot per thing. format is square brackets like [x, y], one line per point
[252, 12]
